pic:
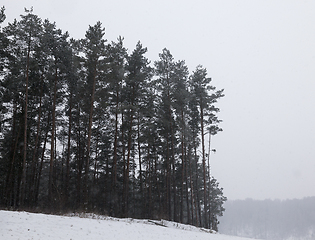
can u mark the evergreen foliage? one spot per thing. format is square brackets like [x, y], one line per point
[87, 126]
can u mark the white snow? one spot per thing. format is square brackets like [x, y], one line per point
[24, 225]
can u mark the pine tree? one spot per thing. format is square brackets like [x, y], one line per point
[71, 82]
[116, 54]
[30, 27]
[200, 86]
[4, 43]
[125, 139]
[164, 68]
[55, 45]
[94, 50]
[137, 77]
[181, 98]
[21, 41]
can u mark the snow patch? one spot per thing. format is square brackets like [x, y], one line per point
[24, 225]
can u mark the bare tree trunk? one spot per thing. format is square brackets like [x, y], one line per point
[52, 144]
[35, 151]
[123, 207]
[37, 181]
[209, 151]
[203, 165]
[79, 163]
[79, 170]
[87, 161]
[173, 177]
[140, 169]
[168, 155]
[168, 181]
[23, 180]
[150, 173]
[15, 138]
[9, 181]
[189, 221]
[183, 170]
[160, 208]
[66, 189]
[126, 192]
[174, 187]
[114, 168]
[197, 201]
[95, 174]
[194, 211]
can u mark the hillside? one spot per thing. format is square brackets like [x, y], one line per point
[23, 225]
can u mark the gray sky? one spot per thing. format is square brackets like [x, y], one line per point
[261, 52]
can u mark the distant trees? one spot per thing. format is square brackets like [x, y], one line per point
[87, 126]
[270, 219]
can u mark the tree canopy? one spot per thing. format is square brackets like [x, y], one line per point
[88, 126]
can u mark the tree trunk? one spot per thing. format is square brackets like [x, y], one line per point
[35, 152]
[114, 168]
[15, 138]
[209, 176]
[126, 192]
[140, 170]
[9, 192]
[150, 182]
[124, 162]
[191, 191]
[197, 201]
[95, 174]
[23, 180]
[203, 165]
[66, 189]
[52, 145]
[172, 148]
[87, 161]
[168, 188]
[189, 221]
[173, 176]
[183, 169]
[79, 164]
[37, 181]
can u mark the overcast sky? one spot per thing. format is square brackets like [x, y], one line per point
[261, 52]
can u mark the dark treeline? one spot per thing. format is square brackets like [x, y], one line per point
[88, 126]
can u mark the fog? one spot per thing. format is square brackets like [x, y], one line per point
[289, 219]
[261, 52]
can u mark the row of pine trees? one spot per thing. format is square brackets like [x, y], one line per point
[88, 126]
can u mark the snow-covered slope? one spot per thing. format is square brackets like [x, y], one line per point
[23, 225]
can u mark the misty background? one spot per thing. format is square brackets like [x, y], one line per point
[263, 54]
[270, 219]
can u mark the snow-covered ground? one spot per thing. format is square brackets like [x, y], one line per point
[24, 225]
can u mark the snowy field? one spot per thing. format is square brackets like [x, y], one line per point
[24, 226]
